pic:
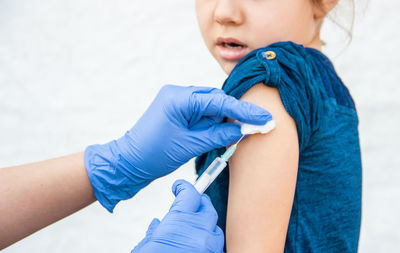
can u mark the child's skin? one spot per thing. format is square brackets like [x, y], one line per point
[263, 171]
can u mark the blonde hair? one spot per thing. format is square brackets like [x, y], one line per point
[345, 21]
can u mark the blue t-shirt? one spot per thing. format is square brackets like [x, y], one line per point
[326, 212]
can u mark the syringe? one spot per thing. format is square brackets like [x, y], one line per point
[214, 169]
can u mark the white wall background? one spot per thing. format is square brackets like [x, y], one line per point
[77, 72]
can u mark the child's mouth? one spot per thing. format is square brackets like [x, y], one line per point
[232, 45]
[231, 49]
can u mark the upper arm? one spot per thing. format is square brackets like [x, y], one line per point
[263, 173]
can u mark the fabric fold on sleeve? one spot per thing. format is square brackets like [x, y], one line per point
[291, 72]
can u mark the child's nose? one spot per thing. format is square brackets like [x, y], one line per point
[228, 12]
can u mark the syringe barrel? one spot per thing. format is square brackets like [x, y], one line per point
[209, 175]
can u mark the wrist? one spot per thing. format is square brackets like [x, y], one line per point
[113, 177]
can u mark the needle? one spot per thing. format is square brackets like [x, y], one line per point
[241, 138]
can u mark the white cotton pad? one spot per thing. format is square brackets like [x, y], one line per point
[255, 129]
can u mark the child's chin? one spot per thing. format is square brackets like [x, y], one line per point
[227, 67]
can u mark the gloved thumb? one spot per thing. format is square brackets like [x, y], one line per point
[188, 199]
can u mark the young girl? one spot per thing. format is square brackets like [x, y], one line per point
[298, 188]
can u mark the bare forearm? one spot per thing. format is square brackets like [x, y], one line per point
[36, 195]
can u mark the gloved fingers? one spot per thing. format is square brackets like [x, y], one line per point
[206, 122]
[140, 245]
[153, 225]
[208, 212]
[170, 93]
[188, 199]
[195, 110]
[217, 136]
[204, 89]
[216, 241]
[222, 105]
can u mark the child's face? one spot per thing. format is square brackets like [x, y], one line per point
[233, 28]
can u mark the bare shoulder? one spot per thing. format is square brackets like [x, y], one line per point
[263, 173]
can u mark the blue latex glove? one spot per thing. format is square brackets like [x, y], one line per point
[181, 123]
[189, 226]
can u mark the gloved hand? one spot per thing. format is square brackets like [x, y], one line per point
[181, 123]
[189, 226]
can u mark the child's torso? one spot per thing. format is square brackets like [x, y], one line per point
[326, 210]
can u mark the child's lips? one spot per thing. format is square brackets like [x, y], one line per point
[231, 49]
[232, 54]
